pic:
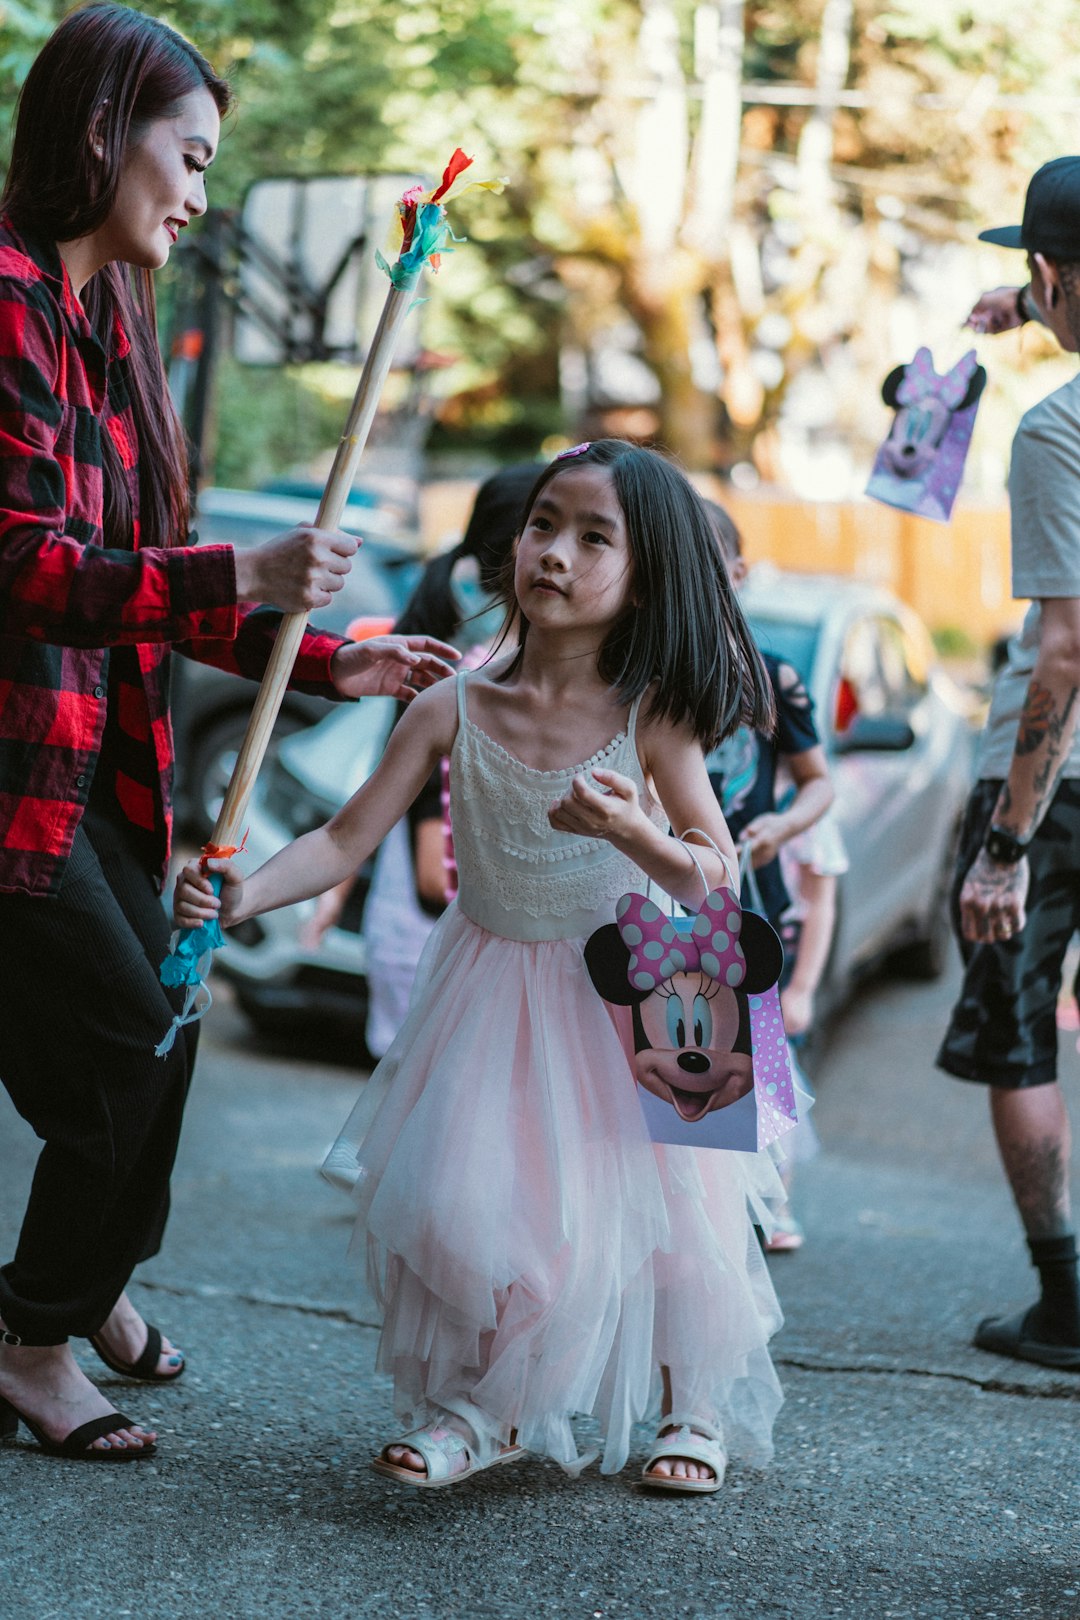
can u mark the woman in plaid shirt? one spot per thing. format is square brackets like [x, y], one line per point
[118, 121]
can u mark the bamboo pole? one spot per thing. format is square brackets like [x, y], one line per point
[228, 828]
[424, 236]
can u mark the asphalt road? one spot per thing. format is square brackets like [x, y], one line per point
[915, 1478]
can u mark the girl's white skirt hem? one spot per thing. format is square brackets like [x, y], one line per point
[534, 1254]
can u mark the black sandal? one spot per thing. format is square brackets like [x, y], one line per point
[1009, 1336]
[78, 1444]
[145, 1368]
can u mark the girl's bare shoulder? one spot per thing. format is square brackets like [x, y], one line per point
[485, 684]
[492, 672]
[431, 718]
[661, 738]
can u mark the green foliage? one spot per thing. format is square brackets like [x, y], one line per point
[960, 103]
[953, 641]
[269, 423]
[23, 30]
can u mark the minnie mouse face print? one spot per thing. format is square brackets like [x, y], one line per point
[692, 1045]
[689, 983]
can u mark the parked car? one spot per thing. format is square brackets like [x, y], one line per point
[899, 742]
[211, 709]
[280, 981]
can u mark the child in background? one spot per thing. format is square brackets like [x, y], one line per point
[811, 864]
[744, 771]
[534, 1253]
[743, 767]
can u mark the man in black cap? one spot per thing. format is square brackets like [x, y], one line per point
[1018, 873]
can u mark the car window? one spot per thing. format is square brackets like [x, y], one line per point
[904, 666]
[338, 755]
[861, 669]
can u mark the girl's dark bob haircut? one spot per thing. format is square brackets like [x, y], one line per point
[684, 633]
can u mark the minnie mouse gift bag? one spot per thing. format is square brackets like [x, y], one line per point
[921, 463]
[710, 1053]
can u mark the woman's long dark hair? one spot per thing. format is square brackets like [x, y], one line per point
[108, 72]
[685, 630]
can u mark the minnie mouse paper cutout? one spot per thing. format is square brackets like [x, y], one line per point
[921, 463]
[689, 982]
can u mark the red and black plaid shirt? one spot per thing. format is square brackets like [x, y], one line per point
[65, 599]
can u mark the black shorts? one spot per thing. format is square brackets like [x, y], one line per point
[1003, 1029]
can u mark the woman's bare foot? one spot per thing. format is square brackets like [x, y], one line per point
[45, 1382]
[124, 1335]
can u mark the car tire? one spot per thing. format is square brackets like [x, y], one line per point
[317, 1035]
[927, 957]
[836, 983]
[213, 757]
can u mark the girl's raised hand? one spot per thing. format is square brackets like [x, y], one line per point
[195, 902]
[609, 813]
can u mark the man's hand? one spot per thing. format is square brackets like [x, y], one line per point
[390, 666]
[993, 899]
[996, 311]
[297, 571]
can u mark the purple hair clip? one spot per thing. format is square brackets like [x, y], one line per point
[575, 450]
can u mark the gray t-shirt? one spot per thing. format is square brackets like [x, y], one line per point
[1044, 499]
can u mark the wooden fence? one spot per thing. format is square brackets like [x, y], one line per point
[955, 576]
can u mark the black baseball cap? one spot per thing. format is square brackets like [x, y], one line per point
[1051, 223]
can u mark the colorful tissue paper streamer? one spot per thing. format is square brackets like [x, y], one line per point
[425, 230]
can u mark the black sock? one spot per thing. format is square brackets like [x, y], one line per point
[1056, 1318]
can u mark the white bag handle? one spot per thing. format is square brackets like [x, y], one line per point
[750, 882]
[733, 877]
[732, 874]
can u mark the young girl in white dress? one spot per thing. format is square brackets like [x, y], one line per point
[535, 1255]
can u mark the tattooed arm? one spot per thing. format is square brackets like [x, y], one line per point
[994, 895]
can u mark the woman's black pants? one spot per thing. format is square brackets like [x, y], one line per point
[81, 1010]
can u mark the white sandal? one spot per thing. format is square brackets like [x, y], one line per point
[690, 1440]
[438, 1447]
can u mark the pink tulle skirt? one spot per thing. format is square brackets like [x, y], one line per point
[534, 1254]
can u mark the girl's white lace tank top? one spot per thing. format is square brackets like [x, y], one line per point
[517, 876]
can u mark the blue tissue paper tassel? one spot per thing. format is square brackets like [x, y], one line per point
[191, 952]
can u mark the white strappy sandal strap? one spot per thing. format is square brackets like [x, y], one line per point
[690, 1420]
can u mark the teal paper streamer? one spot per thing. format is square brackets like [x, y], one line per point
[192, 944]
[430, 236]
